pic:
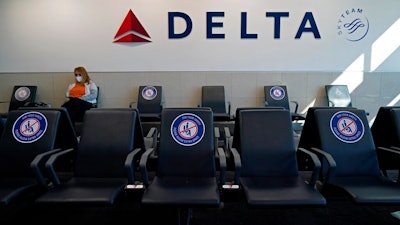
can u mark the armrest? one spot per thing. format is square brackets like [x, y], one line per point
[331, 162]
[130, 165]
[50, 164]
[143, 166]
[217, 135]
[296, 106]
[222, 165]
[389, 157]
[229, 109]
[228, 138]
[238, 164]
[393, 148]
[317, 165]
[38, 163]
[151, 137]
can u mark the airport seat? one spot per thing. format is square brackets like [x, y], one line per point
[214, 97]
[150, 103]
[28, 139]
[66, 138]
[349, 158]
[277, 96]
[384, 127]
[386, 133]
[109, 150]
[232, 138]
[267, 168]
[22, 95]
[186, 169]
[338, 95]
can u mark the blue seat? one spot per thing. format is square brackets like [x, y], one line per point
[28, 139]
[349, 158]
[214, 98]
[277, 96]
[266, 162]
[150, 103]
[186, 168]
[109, 150]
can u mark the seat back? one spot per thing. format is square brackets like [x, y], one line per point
[186, 143]
[276, 96]
[150, 99]
[214, 97]
[236, 129]
[338, 95]
[26, 135]
[395, 115]
[384, 128]
[21, 95]
[346, 135]
[267, 143]
[66, 136]
[108, 136]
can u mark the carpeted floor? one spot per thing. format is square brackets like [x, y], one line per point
[339, 211]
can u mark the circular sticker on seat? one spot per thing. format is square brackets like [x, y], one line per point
[29, 127]
[22, 93]
[149, 92]
[347, 126]
[187, 129]
[277, 93]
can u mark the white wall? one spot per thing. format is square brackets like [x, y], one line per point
[57, 35]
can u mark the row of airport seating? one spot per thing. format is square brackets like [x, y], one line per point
[151, 100]
[42, 161]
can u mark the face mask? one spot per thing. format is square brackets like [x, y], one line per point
[78, 78]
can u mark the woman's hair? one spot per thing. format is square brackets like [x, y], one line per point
[84, 74]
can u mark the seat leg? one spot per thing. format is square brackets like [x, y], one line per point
[184, 214]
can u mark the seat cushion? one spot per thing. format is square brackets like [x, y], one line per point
[183, 192]
[261, 191]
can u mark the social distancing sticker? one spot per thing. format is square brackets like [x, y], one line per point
[22, 93]
[187, 129]
[277, 93]
[149, 92]
[29, 127]
[347, 126]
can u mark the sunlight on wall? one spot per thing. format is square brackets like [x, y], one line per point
[350, 78]
[385, 45]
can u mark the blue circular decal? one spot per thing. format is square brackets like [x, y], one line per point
[277, 93]
[22, 93]
[149, 92]
[347, 126]
[187, 129]
[29, 127]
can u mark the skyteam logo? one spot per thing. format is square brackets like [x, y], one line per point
[187, 129]
[22, 93]
[277, 93]
[149, 92]
[29, 127]
[131, 30]
[347, 126]
[353, 25]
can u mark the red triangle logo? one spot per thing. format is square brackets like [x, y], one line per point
[131, 30]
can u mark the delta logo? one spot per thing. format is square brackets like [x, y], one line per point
[131, 30]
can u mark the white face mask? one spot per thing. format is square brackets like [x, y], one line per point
[78, 78]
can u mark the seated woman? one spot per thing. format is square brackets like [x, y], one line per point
[81, 95]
